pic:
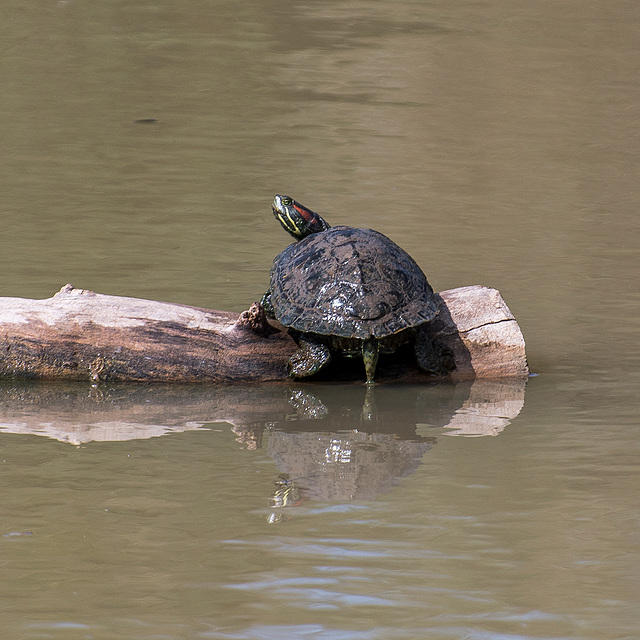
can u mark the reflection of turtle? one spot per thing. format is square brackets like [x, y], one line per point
[286, 494]
[349, 290]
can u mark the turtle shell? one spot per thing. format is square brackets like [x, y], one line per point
[354, 283]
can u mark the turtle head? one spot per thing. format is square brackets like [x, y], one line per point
[297, 220]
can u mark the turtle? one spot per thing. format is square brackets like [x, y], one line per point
[351, 291]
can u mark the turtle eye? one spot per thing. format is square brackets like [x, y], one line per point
[286, 201]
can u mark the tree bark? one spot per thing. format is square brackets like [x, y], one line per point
[81, 335]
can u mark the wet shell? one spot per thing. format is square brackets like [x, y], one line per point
[354, 283]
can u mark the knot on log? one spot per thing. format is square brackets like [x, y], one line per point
[69, 288]
[254, 319]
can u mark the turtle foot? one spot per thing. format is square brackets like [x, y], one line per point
[309, 358]
[433, 356]
[265, 303]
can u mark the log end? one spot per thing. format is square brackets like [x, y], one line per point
[476, 323]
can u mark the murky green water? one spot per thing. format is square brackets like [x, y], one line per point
[496, 142]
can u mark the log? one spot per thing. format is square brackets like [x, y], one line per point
[81, 335]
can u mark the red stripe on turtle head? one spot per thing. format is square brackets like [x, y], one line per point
[305, 213]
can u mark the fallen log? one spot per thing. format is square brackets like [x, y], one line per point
[81, 335]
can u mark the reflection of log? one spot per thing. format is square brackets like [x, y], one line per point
[490, 407]
[77, 413]
[81, 335]
[319, 436]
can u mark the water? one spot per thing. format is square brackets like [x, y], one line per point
[497, 143]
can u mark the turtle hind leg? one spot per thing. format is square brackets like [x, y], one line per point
[433, 356]
[370, 352]
[312, 356]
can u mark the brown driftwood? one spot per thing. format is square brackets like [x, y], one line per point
[82, 335]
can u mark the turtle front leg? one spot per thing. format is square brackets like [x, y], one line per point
[433, 356]
[370, 352]
[309, 358]
[267, 306]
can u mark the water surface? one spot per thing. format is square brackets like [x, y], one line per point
[497, 143]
